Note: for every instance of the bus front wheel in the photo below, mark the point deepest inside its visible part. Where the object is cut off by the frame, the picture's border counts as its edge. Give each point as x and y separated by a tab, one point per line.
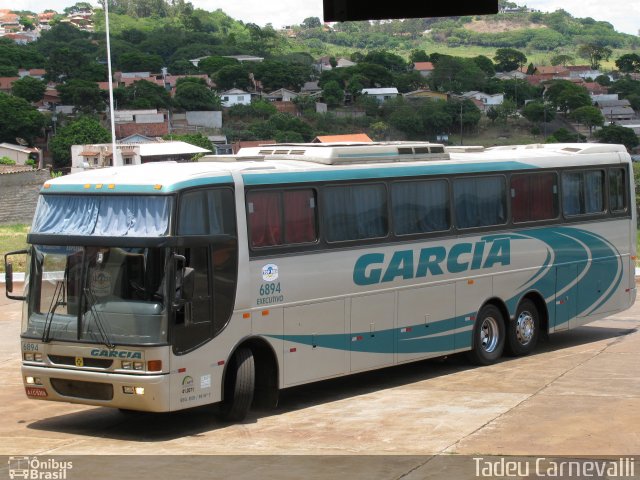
522	334
488	336
239	385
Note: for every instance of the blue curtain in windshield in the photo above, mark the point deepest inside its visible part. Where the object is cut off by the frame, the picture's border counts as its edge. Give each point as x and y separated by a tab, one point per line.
117	216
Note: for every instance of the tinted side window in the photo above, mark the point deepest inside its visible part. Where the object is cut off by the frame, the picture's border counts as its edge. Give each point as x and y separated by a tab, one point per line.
534	197
583	192
420	207
355	212
207	212
617	190
480	201
282	217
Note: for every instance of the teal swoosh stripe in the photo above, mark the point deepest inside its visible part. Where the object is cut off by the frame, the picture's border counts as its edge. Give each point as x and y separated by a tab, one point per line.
568	246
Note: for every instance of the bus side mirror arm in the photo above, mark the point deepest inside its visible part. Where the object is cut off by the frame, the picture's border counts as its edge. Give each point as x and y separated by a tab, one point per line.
184	287
8	275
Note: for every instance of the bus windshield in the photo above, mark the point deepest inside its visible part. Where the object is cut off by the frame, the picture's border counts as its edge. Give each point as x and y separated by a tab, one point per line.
105	295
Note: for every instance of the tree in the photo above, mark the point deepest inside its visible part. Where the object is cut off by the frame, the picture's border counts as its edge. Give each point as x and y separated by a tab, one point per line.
85	130
144	94
31	89
563	135
565	95
589	116
18	118
457	75
311	22
194	95
232	76
140	62
561	59
619	135
418	56
603	80
332	94
509	59
594	53
211	65
408	121
485	64
85	96
538	112
629	63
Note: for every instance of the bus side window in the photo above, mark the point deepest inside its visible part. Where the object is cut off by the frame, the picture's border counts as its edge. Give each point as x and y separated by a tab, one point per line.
355	212
480	201
420	207
534	196
282	217
583	192
617	190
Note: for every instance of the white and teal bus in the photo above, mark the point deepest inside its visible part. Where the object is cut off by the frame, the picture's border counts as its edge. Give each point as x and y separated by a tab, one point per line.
167	286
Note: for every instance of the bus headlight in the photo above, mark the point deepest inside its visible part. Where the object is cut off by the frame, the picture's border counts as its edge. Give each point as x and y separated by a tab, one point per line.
126	365
32	357
131	390
33	380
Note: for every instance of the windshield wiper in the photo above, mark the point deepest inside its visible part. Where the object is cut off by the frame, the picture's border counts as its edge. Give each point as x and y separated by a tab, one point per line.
58	292
91	300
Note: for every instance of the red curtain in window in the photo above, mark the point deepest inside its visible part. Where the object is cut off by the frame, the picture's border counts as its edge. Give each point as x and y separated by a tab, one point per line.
520	199
265	219
299	216
542	196
533	197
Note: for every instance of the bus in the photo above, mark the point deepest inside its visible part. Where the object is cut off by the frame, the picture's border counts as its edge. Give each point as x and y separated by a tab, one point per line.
168	286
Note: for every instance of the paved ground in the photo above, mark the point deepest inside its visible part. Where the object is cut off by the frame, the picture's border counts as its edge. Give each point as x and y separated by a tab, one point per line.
578	395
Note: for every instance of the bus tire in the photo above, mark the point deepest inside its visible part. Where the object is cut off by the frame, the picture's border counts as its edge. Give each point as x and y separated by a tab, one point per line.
239	386
523	331
488	336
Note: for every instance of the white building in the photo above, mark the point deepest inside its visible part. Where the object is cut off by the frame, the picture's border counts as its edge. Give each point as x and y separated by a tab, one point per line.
85	157
235	96
381	94
487	99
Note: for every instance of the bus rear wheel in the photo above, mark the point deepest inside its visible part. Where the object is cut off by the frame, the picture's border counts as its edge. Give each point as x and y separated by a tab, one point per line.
488	336
239	386
522	333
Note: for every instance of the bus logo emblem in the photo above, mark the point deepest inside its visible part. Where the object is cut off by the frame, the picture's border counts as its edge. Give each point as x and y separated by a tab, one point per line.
79	362
270	272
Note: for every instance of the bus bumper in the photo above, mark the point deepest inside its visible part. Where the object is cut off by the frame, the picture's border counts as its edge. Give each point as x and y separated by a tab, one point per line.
149	393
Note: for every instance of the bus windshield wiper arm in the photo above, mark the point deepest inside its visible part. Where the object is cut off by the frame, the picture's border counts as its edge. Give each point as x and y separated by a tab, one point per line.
55	303
91	299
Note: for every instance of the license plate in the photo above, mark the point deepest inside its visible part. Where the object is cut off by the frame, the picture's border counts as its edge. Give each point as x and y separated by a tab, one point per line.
36	392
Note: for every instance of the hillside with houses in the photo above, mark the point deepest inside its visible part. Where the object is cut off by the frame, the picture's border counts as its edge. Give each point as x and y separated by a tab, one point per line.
188	82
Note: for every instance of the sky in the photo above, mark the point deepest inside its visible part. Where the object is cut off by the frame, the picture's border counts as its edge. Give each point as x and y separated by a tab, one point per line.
624	15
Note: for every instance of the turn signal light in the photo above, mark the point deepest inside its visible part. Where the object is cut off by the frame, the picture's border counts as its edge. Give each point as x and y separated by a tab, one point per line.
154	365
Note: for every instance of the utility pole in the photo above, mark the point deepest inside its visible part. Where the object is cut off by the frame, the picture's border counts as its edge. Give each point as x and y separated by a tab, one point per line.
460	123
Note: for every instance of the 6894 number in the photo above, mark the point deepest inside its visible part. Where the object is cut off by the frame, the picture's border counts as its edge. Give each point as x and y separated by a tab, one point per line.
269	288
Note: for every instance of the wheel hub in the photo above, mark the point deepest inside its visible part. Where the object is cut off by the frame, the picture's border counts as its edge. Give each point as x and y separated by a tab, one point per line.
525	328
489	334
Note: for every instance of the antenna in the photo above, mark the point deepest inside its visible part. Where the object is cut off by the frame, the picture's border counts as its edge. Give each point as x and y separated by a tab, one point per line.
22	141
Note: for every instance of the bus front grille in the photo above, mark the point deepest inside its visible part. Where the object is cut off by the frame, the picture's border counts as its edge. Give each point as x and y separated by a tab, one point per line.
87	361
80	389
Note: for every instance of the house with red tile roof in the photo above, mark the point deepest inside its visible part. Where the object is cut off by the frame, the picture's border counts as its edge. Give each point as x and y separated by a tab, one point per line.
351	137
423	68
6	83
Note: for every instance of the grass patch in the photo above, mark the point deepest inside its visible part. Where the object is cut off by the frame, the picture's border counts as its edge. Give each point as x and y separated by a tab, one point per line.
13	237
